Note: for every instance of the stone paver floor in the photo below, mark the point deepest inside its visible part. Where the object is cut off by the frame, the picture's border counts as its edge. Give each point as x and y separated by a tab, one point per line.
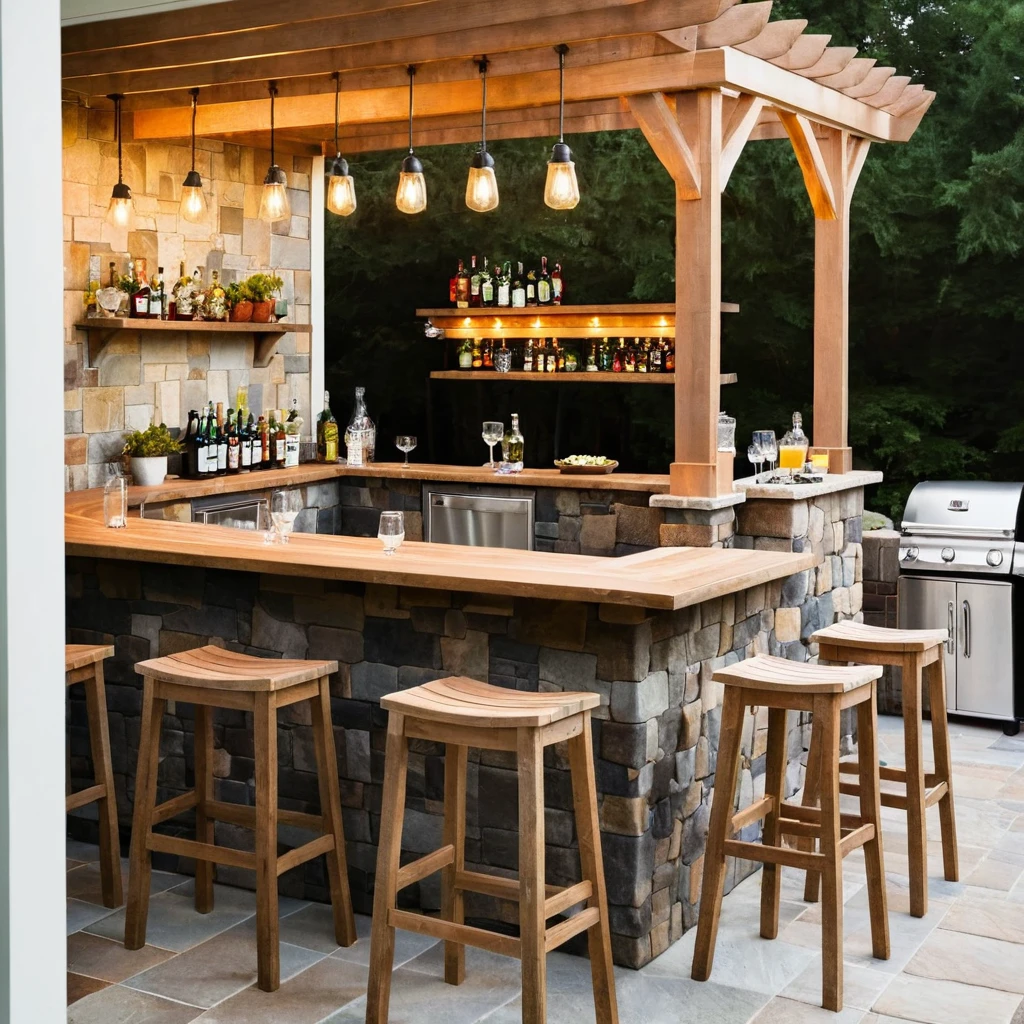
962	964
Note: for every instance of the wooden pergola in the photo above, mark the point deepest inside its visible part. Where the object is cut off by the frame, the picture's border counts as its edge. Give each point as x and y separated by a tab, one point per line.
700	78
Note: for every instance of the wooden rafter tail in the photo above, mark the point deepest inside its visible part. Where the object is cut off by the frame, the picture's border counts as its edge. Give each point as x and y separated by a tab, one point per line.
812	164
834	60
739	24
805	53
889	93
873	82
909	99
904	127
853	74
775	39
658	122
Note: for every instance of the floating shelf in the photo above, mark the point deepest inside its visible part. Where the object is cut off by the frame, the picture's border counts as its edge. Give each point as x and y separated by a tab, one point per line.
578	377
266	336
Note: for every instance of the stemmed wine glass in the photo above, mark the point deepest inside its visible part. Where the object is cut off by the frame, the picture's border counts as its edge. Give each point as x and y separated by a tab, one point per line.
405	443
756	458
282	514
765	440
493	432
391	531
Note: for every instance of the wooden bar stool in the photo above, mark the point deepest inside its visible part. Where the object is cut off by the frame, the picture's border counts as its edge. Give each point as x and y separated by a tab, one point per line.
212	677
83	663
918	652
781	685
464	713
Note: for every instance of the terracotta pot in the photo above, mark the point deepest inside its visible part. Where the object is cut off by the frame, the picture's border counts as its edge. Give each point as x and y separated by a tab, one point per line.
263	311
241	312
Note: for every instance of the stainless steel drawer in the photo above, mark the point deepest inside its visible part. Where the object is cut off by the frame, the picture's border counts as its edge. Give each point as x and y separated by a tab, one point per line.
479	520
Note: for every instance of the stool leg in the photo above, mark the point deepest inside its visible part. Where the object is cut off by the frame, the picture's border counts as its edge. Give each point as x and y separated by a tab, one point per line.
452	902
268	946
827	710
871	813
917	838
532	891
588	831
718	829
389	852
936	677
139	863
812	783
99	740
330	810
204	795
775	787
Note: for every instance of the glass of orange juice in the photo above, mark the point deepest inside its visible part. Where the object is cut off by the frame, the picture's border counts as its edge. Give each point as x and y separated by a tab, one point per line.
791	457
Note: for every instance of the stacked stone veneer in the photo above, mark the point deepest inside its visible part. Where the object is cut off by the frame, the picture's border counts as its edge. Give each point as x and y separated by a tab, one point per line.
881	579
142	377
655	735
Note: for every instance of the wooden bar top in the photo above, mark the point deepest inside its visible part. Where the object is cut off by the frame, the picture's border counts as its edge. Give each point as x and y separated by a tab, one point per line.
664	578
180	489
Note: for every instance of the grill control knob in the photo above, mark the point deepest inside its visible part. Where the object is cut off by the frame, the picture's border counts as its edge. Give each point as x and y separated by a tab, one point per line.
994	558
910	554
948	554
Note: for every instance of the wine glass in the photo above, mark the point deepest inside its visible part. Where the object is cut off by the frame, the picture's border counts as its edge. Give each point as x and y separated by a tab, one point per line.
405	443
492	435
765	440
282	514
755	457
391	531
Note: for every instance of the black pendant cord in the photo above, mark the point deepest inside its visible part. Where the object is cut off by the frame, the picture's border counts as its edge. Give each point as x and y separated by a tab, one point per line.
337	109
412	75
273	93
562	51
117	128
483	112
195	104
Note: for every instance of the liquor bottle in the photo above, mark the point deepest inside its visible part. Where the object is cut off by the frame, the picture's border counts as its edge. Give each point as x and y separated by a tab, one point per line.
222	442
113	275
156	296
519	289
607	357
619	359
544	293
292	429
234	444
211	442
592	357
487	291
631	356
528	357
453	288
187	470
513	445
556	358
657	353
327	431
361	435
245	443
462	287
643	355
531	287
488	354
256	441
557	285
474	285
266	455
140	290
669	360
504	285
280	442
477	355
172	306
197	449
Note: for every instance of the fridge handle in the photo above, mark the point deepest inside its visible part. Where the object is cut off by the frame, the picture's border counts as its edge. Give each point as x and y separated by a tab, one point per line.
951	628
967	629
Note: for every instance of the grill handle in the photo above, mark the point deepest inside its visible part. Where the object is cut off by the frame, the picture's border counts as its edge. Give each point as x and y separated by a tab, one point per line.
981	533
967	629
951	620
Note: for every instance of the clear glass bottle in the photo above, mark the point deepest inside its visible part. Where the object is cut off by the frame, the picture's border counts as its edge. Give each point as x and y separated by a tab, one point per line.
512	446
292	430
361	435
115	497
793	447
327	433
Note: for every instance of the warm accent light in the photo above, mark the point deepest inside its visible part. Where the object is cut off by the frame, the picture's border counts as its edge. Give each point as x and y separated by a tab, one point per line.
193	201
562	190
482	185
121	211
412	186
341	189
274	202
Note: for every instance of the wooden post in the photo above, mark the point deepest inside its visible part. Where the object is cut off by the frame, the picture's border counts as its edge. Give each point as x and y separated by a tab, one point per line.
698	301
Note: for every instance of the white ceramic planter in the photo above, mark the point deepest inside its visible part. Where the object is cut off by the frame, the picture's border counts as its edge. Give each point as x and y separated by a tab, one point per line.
149	472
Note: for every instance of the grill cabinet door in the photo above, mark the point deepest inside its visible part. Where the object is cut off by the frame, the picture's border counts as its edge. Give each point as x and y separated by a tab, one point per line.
930	603
984	679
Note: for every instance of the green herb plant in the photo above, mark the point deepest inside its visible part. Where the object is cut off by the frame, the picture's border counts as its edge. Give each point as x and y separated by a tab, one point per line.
150	443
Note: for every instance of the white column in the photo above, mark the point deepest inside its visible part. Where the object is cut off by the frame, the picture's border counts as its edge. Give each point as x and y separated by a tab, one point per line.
316	290
32	828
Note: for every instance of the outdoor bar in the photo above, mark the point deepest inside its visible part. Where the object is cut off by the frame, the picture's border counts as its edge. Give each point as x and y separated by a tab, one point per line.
648	632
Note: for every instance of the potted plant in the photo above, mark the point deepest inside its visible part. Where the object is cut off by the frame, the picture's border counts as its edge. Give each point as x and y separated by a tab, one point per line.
147	451
240	302
465	355
261	288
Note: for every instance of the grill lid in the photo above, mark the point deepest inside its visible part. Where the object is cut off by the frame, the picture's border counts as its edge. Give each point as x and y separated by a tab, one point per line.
966	508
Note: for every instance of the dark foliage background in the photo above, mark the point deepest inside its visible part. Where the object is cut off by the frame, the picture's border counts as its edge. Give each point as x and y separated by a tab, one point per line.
937	286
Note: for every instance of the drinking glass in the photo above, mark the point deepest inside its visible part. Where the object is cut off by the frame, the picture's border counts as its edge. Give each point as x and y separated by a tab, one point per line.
755	457
391	531
765	439
282	514
115	497
405	443
493	433
503	360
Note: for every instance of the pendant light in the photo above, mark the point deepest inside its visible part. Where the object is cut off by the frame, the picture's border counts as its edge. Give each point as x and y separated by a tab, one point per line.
193	200
412	186
121	210
482	186
274	202
341	189
562	191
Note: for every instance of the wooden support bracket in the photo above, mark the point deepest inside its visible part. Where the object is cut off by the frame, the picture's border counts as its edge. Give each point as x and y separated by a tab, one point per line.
812	164
658	122
743	120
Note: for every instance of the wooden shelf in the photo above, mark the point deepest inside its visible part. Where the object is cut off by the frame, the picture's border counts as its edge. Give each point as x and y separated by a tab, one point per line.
579	377
625	309
266	336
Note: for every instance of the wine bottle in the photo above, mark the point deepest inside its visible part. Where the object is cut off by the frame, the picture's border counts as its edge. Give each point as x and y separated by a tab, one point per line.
156	296
186	453
462	287
292	429
557	285
513	445
487	296
197	449
257	443
669	360
528	357
504	284
544	293
361	435
222	442
266	455
234	444
531	287
519	289
140	290
474	285
327	429
453	288
244	443
619	359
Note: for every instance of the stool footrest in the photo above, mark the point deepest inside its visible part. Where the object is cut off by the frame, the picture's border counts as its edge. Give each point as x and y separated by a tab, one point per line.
566	898
424	866
201	851
562	932
755	812
495	885
84	796
300	854
494	942
783	855
856	838
172	808
245	816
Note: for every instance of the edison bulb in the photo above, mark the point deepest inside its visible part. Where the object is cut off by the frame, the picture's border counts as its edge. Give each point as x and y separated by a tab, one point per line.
121	210
341	194
412	186
193	204
482	185
562	191
274	202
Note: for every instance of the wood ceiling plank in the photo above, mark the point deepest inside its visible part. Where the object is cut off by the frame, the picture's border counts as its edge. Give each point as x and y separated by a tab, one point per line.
853	74
661	129
737	25
831	62
806	52
872	83
776	39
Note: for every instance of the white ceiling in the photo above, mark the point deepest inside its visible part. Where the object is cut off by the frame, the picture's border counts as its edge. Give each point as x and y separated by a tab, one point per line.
74	11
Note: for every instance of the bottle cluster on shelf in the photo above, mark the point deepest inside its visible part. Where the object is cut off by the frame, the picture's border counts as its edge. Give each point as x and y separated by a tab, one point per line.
498	286
551	355
360	435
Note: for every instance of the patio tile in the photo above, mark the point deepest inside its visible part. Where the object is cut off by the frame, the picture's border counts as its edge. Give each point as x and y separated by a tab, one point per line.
229	897
946	1002
108	960
906	936
117	1005
83	883
81	915
999	870
408	945
787	1011
861	985
979	912
218	968
85	853
79	986
971	959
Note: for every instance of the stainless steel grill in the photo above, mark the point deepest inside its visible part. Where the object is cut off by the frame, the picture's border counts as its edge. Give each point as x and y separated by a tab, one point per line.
962	569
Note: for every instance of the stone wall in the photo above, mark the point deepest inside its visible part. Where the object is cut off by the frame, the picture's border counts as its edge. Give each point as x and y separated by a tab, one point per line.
655	734
143	377
881	577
